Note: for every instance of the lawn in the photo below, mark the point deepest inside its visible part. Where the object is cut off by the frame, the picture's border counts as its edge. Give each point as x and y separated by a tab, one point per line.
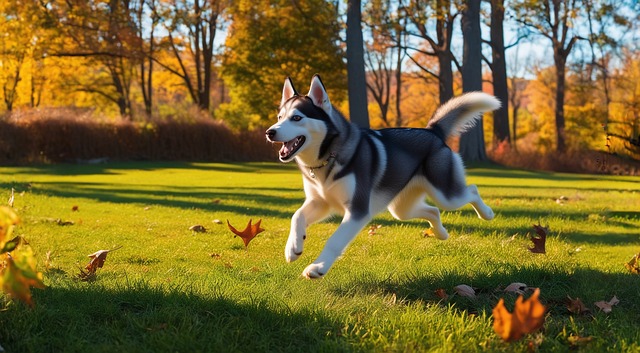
169	289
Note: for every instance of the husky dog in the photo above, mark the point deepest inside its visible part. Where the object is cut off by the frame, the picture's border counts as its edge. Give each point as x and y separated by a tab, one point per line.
359	172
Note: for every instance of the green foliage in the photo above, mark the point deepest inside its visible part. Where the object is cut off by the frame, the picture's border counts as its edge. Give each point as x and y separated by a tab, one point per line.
269	40
170	289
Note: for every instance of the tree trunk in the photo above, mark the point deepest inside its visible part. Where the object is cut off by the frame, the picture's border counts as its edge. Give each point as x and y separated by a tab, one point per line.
560	61
499	73
445	76
357	86
472	147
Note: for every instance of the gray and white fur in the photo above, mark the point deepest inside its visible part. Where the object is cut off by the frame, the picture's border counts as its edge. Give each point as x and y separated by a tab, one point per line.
359	172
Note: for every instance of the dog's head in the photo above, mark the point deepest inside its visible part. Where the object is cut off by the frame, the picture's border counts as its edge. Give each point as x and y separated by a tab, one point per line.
304	122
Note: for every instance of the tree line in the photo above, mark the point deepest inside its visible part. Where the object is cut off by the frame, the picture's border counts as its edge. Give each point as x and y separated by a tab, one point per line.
390	63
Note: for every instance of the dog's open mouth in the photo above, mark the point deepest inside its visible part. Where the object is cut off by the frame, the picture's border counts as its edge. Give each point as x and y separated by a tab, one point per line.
289	148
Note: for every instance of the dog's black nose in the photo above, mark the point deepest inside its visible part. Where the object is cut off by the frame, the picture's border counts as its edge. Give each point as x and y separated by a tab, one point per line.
271	133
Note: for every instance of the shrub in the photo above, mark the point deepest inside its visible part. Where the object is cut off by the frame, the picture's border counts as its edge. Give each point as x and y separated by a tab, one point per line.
52	137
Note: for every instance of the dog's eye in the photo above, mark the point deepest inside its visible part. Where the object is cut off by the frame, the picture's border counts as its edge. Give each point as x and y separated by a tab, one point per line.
296	118
279	117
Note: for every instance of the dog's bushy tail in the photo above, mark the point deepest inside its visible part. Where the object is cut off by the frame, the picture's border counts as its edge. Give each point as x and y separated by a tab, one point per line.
461	113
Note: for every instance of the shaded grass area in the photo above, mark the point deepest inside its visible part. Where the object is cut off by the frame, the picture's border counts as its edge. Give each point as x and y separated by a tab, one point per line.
169	289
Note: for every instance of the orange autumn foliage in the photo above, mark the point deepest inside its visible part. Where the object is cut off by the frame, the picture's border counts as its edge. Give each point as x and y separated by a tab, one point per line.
527	317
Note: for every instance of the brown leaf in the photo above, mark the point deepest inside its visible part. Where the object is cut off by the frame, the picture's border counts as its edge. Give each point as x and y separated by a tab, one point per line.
373	228
198	228
634	264
441	293
97	260
607	307
576	306
248	233
75	208
539	240
527	317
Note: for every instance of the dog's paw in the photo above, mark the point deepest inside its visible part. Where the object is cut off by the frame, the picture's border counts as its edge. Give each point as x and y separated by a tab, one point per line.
486	213
291	253
314	271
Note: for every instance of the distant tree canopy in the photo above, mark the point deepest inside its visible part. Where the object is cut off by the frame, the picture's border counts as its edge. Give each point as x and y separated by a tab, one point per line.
269	40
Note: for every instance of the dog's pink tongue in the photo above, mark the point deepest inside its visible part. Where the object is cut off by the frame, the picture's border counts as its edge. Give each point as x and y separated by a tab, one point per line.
286	149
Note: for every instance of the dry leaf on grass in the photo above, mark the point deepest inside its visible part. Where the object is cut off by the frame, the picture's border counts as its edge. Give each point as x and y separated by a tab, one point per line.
527	317
576	306
248	233
441	293
606	307
634	264
373	228
516	287
464	290
198	228
540	240
97	261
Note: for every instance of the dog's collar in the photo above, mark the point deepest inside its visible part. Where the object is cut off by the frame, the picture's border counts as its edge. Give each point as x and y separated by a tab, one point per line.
312	170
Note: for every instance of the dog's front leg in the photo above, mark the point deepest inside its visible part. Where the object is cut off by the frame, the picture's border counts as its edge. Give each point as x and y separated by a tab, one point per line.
336	245
310	212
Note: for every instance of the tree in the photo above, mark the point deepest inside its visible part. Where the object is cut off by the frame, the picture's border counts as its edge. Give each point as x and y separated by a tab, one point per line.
498	67
384	58
439	46
103	32
269	40
358	111
191	27
472	147
557	21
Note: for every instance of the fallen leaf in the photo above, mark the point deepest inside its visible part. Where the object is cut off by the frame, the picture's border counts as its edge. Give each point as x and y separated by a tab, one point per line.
576	306
97	261
607	307
63	223
75	208
198	228
19	274
516	287
217	221
464	290
634	264
428	233
527	317
215	255
539	240
441	293
248	233
373	228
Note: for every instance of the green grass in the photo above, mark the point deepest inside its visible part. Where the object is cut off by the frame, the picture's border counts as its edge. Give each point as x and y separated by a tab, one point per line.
169	289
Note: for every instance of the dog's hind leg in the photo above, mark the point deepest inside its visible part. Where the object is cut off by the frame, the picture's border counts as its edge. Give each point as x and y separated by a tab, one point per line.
485	212
336	245
310	212
410	204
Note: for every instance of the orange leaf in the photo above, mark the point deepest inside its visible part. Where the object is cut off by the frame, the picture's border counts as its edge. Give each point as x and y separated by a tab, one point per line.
527	317
634	264
539	241
248	233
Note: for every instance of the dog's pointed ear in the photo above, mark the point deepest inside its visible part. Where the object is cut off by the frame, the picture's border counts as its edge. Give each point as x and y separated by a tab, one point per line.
288	90
319	95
